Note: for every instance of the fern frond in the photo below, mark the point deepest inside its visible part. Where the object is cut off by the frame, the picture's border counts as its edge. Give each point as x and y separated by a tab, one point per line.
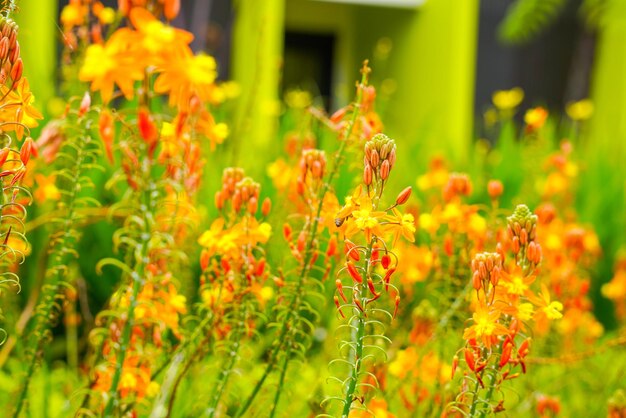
527	18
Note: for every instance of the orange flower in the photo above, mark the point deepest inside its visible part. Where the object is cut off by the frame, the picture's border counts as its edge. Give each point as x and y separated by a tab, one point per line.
547	308
186	77
115	62
158	40
486	326
18	107
400	224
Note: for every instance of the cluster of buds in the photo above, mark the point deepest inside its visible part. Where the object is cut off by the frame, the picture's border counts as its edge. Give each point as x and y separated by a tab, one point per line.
312	165
617	404
458	185
486	270
522	230
241	191
380	157
10	61
169	8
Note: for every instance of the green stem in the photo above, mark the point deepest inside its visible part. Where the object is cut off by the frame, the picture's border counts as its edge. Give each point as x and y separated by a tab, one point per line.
358	334
125	342
306	266
47	309
137	277
279	390
474	399
233	353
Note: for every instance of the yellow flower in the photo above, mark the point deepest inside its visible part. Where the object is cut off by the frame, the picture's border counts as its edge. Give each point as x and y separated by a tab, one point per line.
616	288
185	77
364	219
547	308
508	99
73	15
46	188
157	38
367	221
428	223
210	239
477	224
401	224
525	311
536	117
580	110
113	63
153	389
298	99
485	326
17	106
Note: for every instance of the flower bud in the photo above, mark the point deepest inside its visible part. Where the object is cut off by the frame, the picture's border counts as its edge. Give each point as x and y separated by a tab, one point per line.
385	260
84	104
4	153
392	157
367	175
253	205
354	272
4	48
384	170
219	200
495	189
16	71
351	250
171	8
403	196
28	149
374	159
266	206
14	53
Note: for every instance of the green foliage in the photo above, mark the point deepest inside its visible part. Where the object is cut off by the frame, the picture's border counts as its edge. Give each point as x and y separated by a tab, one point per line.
526	18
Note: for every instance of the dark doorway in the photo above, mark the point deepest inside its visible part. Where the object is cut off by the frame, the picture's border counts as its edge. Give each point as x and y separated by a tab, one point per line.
308	64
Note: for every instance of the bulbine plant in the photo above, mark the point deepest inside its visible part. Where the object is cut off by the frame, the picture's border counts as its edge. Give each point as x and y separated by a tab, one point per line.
162	282
361	298
510	299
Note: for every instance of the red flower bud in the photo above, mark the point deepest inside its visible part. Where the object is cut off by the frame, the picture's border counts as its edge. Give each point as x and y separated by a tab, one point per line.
469	359
385	261
340	290
332	246
370	285
495	188
171	9
28	149
4	154
336	300
16	71
266	206
351	250
287	232
403	196
354	272
506	354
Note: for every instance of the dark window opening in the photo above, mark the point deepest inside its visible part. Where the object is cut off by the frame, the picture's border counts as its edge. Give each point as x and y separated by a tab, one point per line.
308	64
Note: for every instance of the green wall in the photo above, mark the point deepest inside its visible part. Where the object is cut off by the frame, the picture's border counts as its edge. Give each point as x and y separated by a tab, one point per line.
431	63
